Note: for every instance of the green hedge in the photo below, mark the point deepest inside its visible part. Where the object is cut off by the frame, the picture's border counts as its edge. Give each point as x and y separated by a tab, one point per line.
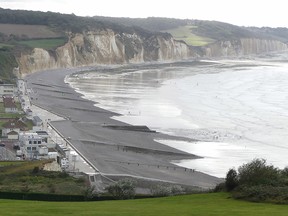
56	197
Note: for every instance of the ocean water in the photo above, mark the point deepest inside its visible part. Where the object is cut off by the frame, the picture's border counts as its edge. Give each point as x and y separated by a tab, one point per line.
237	109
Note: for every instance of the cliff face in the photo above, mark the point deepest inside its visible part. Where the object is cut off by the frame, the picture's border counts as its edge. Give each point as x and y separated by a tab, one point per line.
108	47
244	46
105	47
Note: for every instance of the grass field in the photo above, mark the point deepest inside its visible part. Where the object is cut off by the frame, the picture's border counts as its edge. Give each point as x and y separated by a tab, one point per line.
31	31
5	45
9	163
44	43
185	33
198	205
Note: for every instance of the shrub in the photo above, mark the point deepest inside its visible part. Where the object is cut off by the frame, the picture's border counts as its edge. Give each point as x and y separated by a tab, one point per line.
221	187
177	190
256	181
258	173
161	191
123	189
36	170
262	193
164	190
90	193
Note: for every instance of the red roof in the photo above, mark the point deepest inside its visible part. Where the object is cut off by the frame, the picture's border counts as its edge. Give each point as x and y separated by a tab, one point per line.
12	133
9	102
15	124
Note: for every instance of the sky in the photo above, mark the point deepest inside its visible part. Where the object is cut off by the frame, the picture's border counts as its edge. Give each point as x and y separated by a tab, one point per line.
257	13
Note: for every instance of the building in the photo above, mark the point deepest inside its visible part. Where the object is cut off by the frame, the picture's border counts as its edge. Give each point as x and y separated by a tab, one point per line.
7	90
29	113
37	121
9	104
32	146
13	135
15	125
45	137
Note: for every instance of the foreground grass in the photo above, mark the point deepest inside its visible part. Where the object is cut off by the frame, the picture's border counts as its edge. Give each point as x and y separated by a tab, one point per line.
200	204
185	33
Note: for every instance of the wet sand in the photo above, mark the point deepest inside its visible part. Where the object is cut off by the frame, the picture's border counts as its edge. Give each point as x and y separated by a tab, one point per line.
114	148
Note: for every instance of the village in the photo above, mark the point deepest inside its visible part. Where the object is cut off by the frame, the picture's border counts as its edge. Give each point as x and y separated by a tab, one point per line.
26	132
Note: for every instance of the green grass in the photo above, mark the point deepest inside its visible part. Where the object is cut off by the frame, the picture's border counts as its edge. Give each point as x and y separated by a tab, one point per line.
10	115
44	43
22	177
2	45
2	109
198	205
22	167
10	163
185	33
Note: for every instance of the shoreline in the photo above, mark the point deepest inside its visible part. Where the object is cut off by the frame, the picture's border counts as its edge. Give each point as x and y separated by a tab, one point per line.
112	151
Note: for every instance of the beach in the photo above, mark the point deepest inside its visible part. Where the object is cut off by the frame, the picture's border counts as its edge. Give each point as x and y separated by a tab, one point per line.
113	147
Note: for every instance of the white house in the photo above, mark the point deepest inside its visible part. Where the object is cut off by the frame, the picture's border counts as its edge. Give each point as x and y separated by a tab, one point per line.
33	146
13	135
7	90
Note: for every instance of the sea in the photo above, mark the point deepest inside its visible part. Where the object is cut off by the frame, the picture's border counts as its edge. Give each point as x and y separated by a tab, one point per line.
236	109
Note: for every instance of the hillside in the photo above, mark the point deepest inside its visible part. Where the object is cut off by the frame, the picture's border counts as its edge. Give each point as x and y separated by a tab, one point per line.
29	176
210	31
36	41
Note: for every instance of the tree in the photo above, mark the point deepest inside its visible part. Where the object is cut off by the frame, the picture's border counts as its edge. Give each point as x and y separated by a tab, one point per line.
231	180
258	172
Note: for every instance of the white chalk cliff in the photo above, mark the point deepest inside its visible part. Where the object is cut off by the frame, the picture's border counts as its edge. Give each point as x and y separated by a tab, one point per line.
108	47
105	47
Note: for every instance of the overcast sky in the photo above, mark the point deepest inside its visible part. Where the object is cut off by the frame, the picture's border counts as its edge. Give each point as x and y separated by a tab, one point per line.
258	13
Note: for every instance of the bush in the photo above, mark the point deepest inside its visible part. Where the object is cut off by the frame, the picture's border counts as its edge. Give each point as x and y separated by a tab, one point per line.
256	181
262	193
123	189
36	170
258	173
90	193
164	190
221	187
161	191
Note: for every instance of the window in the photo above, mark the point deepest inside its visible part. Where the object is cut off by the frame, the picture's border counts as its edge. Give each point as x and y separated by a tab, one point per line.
34	148
39	142
34	142
28	148
30	142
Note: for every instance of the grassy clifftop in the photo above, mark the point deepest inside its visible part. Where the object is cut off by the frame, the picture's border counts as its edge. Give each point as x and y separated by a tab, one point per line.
201	32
